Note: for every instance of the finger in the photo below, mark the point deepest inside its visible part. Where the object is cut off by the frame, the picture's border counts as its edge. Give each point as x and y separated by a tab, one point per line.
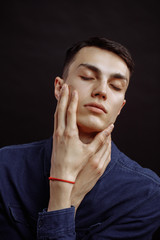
102	158
62	108
71	112
106	156
103	150
100	138
56	113
55	120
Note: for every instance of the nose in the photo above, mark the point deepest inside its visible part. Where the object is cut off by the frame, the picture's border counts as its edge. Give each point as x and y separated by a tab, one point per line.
100	91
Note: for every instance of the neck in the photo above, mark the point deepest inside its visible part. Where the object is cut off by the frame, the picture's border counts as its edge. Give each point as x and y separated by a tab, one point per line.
86	137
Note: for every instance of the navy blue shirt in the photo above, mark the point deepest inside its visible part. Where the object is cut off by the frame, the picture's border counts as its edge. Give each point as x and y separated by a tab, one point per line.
124	203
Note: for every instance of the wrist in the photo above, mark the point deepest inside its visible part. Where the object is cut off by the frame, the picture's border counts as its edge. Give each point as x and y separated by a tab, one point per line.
75	203
61	180
60	195
63	174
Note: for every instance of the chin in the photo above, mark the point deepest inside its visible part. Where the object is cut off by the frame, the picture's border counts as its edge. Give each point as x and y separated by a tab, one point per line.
89	127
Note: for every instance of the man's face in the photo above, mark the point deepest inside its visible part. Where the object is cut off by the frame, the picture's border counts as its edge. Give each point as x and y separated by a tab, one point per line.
101	79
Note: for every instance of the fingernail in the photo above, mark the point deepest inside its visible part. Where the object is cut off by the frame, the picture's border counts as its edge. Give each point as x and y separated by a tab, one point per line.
109	129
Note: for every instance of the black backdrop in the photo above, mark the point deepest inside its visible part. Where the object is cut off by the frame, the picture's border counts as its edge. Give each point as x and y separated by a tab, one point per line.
34	37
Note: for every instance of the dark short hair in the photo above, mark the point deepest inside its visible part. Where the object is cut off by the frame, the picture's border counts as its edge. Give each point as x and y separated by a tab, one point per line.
102	43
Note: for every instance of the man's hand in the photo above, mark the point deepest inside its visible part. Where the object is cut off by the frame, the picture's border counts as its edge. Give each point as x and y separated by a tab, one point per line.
90	173
69	154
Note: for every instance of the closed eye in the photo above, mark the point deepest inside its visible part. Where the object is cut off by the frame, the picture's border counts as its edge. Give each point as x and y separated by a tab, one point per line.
86	78
116	88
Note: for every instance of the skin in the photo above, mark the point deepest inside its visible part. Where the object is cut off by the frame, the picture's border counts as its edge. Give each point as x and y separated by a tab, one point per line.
83	131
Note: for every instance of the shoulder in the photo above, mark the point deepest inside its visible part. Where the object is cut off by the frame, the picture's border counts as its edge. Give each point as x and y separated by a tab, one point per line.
133	169
133	189
16	153
24	146
140	185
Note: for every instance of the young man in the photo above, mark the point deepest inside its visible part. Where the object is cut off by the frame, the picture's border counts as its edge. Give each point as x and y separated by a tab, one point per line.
81	185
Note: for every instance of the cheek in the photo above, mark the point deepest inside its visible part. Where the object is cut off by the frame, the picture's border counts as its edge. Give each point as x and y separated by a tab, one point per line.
117	108
83	92
73	86
116	105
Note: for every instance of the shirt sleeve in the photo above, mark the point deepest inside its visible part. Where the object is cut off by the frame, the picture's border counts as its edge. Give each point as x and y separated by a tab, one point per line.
56	225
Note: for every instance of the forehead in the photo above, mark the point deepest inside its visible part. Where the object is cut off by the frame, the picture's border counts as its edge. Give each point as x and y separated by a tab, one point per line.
108	62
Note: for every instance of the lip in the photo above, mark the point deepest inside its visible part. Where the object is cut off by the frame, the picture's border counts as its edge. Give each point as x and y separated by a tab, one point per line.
96	105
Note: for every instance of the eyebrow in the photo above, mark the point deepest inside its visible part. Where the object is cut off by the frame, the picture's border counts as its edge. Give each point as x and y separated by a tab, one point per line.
99	72
91	67
119	76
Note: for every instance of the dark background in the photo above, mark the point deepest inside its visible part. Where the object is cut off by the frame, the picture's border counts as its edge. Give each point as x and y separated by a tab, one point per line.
34	37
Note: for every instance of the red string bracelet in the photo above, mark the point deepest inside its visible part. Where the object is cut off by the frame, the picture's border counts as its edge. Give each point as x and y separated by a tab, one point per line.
61	180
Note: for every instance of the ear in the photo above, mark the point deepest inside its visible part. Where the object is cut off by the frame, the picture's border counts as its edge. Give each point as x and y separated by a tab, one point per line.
124	102
58	83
